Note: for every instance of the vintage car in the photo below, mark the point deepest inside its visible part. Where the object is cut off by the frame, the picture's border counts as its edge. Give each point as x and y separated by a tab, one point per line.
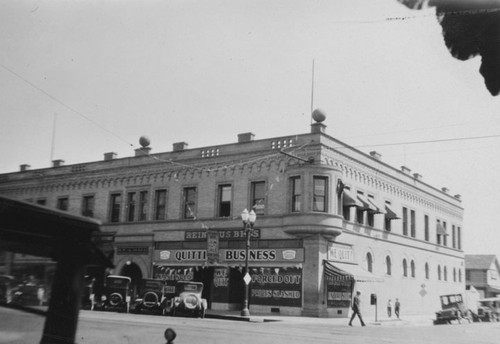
188	300
452	308
488	309
150	297
117	294
8	288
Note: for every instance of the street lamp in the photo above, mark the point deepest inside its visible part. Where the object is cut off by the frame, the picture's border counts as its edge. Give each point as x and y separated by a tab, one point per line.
248	219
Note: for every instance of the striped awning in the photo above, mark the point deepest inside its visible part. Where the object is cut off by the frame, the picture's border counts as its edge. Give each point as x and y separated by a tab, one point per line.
348	272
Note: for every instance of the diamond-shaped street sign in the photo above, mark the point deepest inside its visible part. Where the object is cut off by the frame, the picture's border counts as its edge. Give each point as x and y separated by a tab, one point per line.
247	278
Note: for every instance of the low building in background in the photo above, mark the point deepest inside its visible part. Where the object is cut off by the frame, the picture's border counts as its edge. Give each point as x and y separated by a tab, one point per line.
482	272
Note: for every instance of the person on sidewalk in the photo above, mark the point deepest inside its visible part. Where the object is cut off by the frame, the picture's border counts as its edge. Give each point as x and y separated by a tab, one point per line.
356	309
397	307
389	308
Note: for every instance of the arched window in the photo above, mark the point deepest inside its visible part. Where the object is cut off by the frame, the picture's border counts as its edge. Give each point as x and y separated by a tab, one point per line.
426	270
445	274
405	268
412	268
369	262
388	265
439	272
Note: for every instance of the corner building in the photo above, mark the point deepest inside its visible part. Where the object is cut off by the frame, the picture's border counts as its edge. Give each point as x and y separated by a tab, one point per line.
330	220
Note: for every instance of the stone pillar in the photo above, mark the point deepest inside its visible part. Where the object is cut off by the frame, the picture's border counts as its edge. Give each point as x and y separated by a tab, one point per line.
315	248
67	287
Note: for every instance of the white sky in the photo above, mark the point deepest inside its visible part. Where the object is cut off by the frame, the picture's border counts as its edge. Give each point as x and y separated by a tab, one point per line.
204	71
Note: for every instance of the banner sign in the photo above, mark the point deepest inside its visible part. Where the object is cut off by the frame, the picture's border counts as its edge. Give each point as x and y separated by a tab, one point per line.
212	247
276	287
339	293
171	275
292	255
230	234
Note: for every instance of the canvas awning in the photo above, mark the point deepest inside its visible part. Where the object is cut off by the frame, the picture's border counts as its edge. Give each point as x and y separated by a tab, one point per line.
440	230
390	213
346	271
349	200
367	205
379	208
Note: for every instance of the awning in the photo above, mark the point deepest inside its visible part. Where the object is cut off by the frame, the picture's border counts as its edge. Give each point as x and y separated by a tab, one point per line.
440	230
390	213
366	204
344	271
380	209
350	200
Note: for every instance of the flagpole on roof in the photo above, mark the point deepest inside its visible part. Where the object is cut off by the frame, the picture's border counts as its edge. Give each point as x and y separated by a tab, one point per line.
312	91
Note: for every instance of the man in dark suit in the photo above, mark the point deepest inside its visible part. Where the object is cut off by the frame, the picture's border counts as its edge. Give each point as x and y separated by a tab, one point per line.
356	309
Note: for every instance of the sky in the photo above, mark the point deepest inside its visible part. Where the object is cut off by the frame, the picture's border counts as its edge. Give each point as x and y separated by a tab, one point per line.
82	78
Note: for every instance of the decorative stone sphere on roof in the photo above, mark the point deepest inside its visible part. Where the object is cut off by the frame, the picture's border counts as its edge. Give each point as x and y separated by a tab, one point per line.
144	141
319	115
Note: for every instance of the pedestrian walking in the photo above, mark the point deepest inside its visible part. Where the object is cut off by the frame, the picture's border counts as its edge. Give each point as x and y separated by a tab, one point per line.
389	308
397	307
356	309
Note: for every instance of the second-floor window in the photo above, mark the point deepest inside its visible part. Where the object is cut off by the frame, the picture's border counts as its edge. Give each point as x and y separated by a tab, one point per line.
405	221
426	227
258	194
225	194
63	203
88	206
143	206
131	200
189	199
296	194
115	205
320	196
160	205
413	225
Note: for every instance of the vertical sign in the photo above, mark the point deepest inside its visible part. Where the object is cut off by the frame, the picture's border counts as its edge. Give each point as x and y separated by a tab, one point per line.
212	247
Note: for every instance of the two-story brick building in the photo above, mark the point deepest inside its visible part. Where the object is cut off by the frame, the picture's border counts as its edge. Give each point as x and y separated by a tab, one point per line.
330	219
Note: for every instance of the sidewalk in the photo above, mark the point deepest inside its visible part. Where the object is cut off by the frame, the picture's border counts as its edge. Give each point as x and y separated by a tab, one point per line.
416	320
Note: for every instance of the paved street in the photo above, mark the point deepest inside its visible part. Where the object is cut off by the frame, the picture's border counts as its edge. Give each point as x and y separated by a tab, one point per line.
111	328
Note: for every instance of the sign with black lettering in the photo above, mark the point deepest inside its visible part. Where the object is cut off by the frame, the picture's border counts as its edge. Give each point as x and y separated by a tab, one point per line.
276	286
230	234
221	285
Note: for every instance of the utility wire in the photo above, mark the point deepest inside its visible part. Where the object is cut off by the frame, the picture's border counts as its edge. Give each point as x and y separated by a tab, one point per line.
64	104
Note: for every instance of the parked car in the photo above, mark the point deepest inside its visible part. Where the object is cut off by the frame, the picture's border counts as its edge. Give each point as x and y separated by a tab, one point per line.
151	297
117	294
489	309
188	300
8	288
452	308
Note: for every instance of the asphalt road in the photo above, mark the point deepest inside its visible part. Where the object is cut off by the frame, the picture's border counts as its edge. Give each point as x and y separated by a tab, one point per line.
111	328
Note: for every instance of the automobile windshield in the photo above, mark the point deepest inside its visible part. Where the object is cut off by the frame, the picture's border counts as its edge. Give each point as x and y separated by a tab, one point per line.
189	287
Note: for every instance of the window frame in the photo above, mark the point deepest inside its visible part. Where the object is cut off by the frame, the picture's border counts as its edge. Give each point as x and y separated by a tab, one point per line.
115	207
224	207
321	197
63	203
259	209
88	208
296	198
189	207
160	208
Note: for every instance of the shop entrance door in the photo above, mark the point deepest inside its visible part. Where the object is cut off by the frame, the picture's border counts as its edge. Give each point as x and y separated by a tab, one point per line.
206	276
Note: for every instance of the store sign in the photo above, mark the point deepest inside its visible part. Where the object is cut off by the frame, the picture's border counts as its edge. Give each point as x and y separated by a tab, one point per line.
340	253
212	247
277	286
230	234
339	293
295	255
132	250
